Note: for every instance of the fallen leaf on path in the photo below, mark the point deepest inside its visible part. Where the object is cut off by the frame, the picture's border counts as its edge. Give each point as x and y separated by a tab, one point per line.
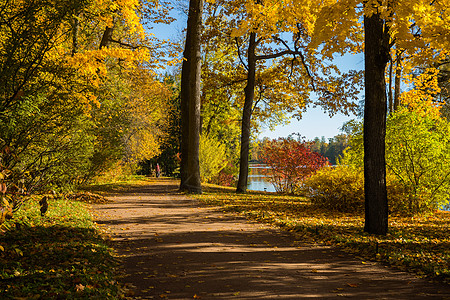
79	287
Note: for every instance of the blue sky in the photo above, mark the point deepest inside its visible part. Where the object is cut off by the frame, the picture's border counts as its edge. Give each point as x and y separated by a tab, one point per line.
314	123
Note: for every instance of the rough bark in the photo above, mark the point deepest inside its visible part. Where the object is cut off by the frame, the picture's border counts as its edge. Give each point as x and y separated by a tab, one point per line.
376	57
190	102
247	114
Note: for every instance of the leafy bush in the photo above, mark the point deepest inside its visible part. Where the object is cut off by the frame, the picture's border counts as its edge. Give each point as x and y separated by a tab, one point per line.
290	161
225	178
212	158
341	188
338	188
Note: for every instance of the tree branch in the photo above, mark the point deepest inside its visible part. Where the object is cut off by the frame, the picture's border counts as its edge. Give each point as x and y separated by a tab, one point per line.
239	53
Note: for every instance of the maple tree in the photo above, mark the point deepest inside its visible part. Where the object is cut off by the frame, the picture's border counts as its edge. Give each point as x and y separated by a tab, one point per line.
274	66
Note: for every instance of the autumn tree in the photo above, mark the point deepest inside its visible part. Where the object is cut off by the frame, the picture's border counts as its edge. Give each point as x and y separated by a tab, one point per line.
276	69
376	56
190	101
60	80
417	30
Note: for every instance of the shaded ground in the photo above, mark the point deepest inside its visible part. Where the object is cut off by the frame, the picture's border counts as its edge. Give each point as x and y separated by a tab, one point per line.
174	248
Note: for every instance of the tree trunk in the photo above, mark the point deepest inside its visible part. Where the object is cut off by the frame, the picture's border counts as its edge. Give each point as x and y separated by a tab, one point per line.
190	101
106	38
75	28
398	76
247	114
390	94
376	57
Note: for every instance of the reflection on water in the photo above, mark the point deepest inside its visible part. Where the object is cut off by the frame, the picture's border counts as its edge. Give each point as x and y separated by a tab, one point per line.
257	181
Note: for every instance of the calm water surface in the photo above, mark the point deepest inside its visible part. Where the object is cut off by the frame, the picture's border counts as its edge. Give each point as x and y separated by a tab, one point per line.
257	181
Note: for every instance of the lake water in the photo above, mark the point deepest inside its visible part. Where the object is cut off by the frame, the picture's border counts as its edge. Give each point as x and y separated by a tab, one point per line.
257	181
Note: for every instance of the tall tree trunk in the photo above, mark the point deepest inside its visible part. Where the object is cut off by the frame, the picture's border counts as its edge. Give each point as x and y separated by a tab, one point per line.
398	76
376	57
247	114
190	101
390	94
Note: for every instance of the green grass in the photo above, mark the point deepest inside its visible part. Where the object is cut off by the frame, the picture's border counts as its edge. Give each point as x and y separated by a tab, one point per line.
59	256
420	244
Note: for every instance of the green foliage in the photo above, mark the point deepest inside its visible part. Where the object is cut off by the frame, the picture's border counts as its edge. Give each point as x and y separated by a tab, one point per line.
333	149
418	153
170	147
49	140
212	158
417	159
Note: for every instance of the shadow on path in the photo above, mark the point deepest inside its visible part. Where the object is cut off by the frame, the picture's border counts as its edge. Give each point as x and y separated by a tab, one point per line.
173	248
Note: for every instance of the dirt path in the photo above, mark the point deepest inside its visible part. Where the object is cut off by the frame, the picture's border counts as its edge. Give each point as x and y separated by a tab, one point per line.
174	248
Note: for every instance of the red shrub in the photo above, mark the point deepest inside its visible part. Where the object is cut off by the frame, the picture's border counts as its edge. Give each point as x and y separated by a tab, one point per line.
289	162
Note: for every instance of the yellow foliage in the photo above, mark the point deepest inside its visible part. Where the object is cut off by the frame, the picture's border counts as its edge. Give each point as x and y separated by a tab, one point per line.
420	99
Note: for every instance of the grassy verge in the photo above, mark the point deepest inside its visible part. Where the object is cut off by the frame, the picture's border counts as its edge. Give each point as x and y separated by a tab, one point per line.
121	186
419	244
58	256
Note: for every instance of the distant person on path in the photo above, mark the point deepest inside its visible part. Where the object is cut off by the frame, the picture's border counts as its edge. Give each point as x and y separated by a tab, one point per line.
158	170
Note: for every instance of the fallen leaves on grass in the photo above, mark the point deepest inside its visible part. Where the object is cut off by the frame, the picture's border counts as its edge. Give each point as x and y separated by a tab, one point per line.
420	243
88	197
59	255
